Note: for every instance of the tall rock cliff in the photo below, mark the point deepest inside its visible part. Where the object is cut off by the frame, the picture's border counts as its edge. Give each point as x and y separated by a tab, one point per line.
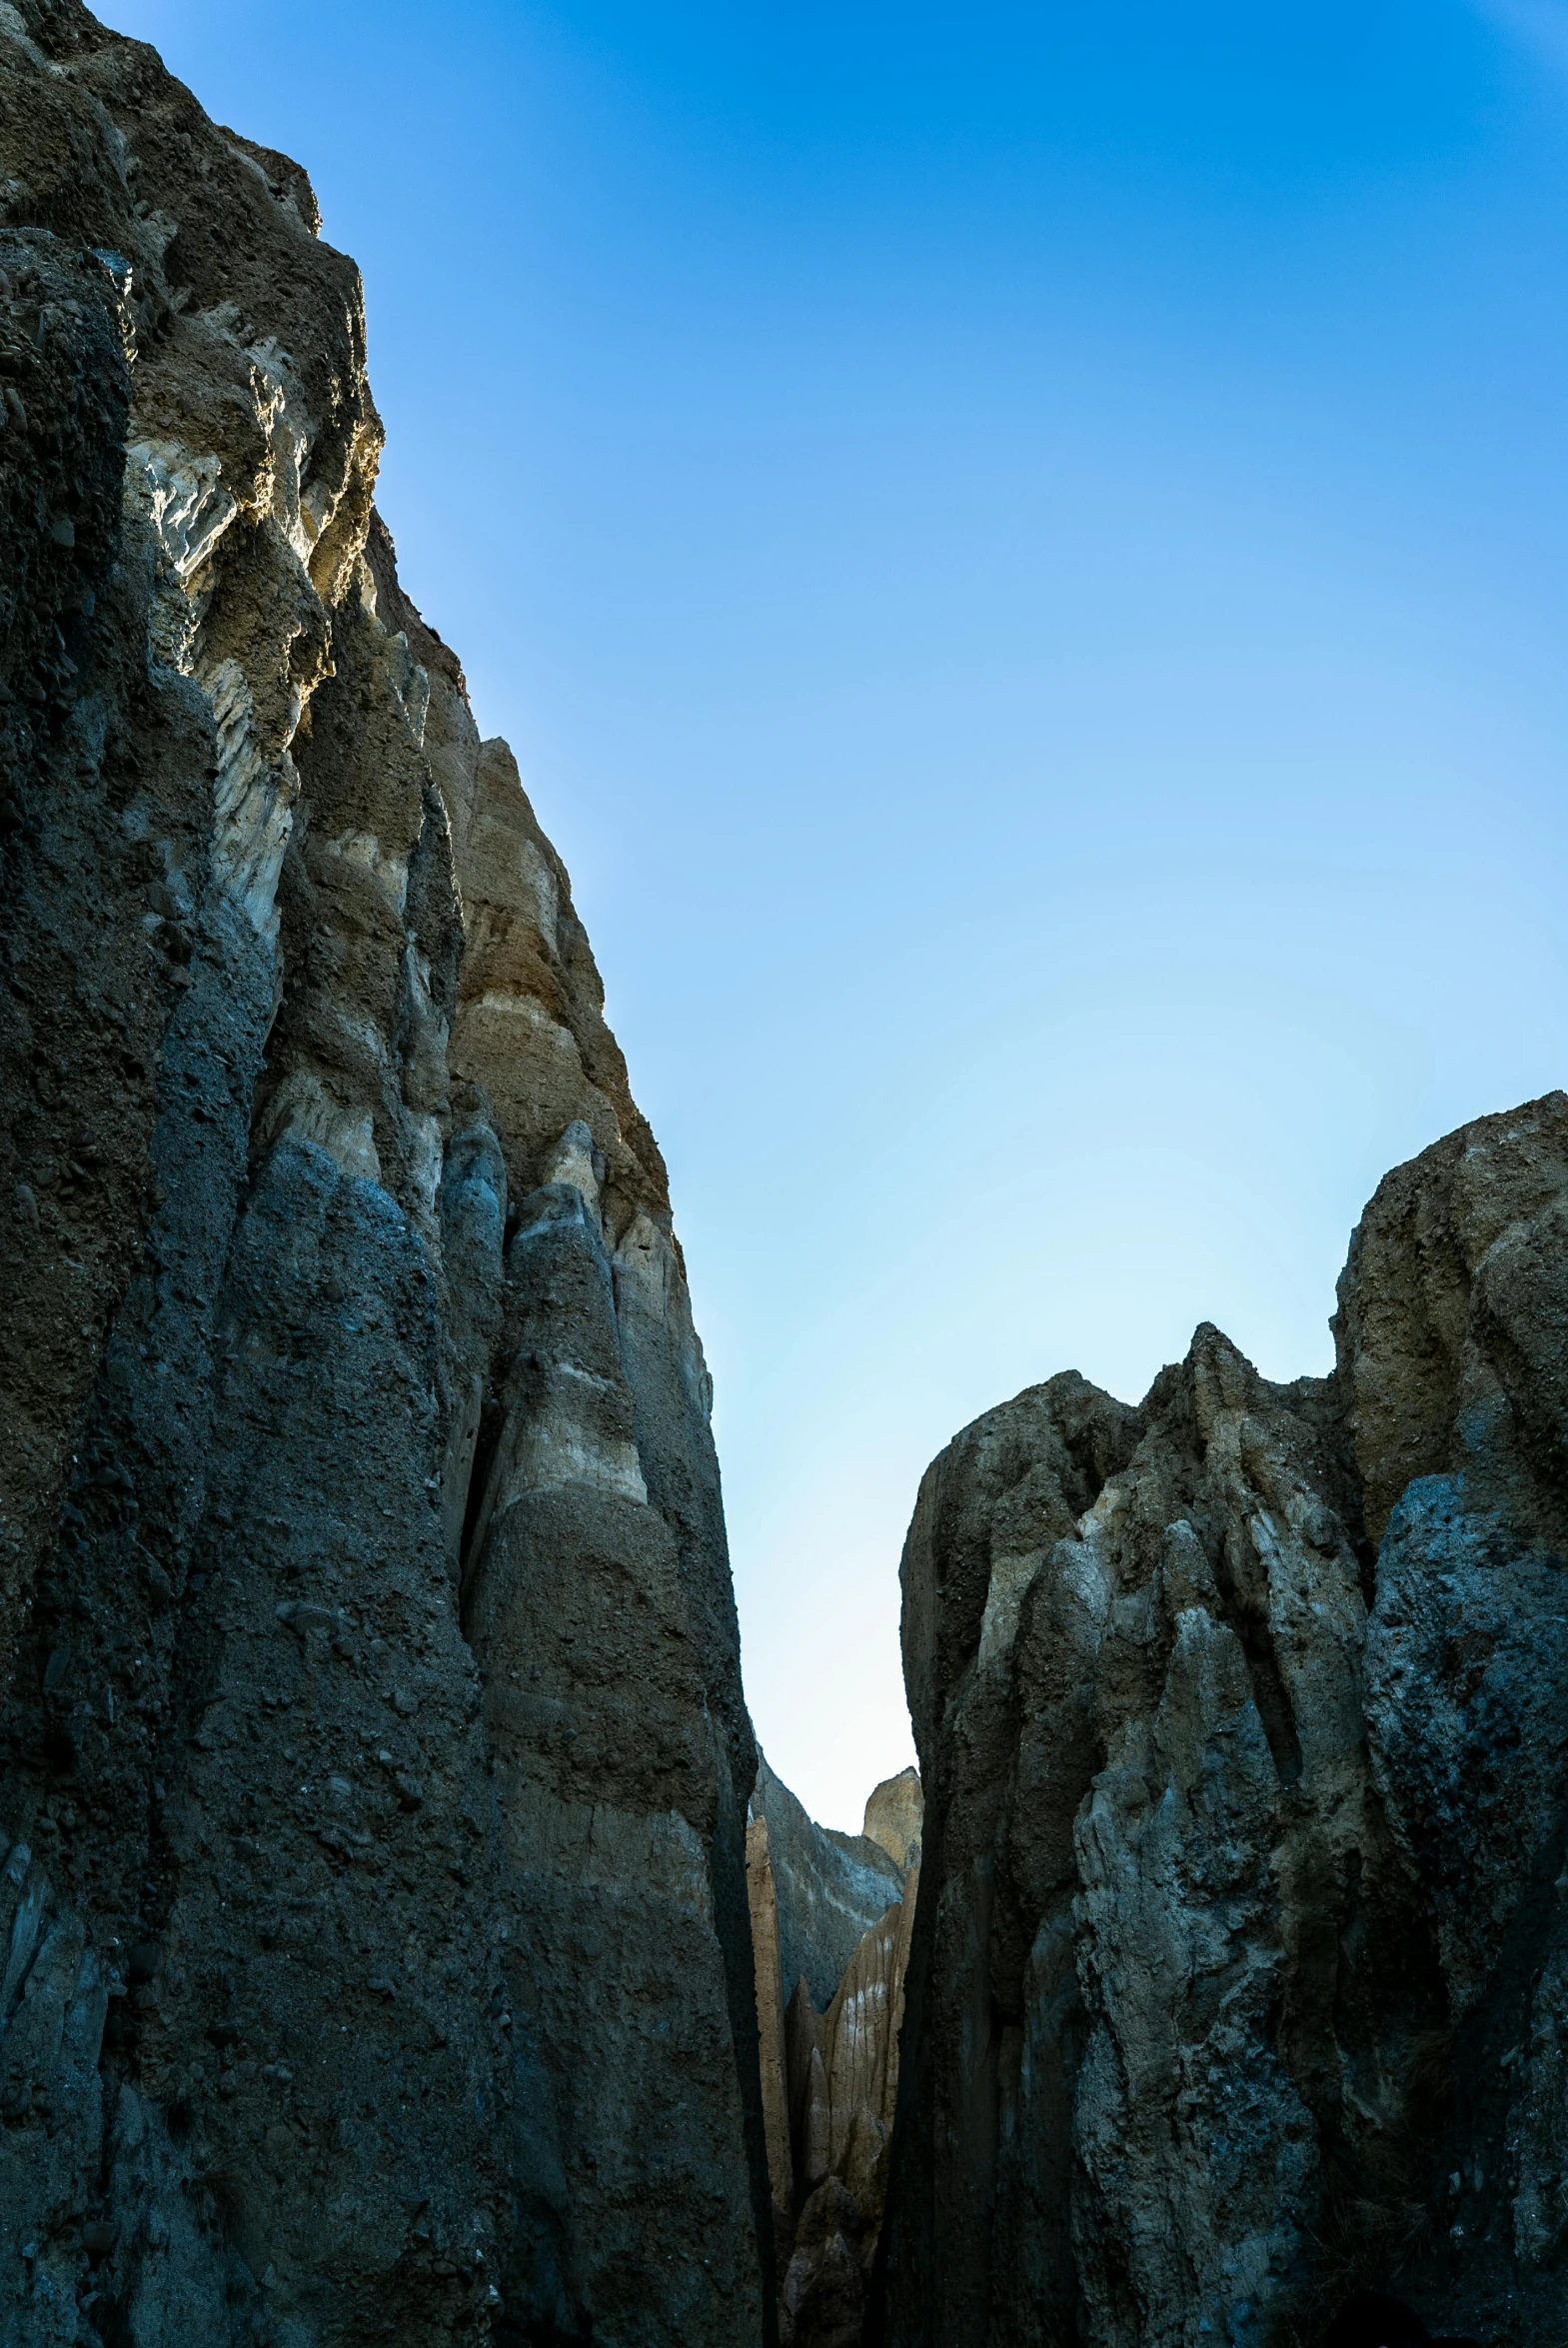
373	1908
382	1840
1241	1967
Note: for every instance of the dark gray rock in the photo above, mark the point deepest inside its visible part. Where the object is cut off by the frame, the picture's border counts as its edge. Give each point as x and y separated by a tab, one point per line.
1238	1966
374	1931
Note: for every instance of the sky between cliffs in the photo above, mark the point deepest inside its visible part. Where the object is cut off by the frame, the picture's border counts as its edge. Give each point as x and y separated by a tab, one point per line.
1021	551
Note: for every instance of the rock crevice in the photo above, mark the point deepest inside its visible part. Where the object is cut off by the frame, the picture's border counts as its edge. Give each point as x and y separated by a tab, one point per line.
836	1911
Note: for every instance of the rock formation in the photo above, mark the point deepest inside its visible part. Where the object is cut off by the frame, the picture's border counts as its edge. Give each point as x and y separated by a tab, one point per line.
831	1888
1239	1970
373	1912
836	1911
893	1816
391	1908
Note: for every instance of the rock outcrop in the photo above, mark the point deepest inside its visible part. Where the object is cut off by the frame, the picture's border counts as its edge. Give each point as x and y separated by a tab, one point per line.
1239	1966
372	1910
831	1888
830	2070
894	1812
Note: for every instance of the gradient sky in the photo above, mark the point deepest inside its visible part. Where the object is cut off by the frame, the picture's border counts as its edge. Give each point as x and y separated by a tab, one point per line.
1021	551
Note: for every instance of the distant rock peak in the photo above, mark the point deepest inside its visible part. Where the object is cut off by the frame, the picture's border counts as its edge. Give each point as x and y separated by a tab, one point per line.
821	1900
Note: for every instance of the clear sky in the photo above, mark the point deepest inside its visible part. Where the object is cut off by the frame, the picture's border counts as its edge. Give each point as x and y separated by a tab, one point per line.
1023	553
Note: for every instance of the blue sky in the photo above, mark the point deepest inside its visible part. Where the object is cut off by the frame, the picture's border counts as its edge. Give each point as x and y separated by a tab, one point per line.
1022	552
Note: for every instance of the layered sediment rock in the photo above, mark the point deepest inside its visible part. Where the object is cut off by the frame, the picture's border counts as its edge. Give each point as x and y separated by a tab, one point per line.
1238	1968
830	2069
372	1920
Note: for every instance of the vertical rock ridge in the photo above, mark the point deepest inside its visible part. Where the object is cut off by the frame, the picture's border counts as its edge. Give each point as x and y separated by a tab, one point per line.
1242	1727
376	1760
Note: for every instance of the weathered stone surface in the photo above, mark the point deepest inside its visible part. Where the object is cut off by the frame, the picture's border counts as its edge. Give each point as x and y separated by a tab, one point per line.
842	2069
373	1912
815	1896
773	2051
829	2074
894	1813
378	1890
831	1888
1244	1726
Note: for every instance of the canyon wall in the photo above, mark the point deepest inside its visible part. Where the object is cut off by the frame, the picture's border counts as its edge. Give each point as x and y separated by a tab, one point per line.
1239	1974
373	1907
399	1939
831	1914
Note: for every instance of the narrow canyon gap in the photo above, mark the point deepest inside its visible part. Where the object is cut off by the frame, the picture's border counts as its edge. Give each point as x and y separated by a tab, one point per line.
401	1938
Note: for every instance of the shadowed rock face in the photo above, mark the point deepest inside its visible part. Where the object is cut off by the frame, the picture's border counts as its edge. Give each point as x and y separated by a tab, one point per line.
375	1961
372	1920
831	1888
1238	1970
830	2070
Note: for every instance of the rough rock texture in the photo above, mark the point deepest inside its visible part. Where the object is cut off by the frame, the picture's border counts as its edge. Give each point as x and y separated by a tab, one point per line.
843	2082
830	2073
894	1814
831	1888
373	1912
1238	1972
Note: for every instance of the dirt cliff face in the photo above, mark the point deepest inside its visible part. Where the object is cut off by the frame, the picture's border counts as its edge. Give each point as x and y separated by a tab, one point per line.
1239	1964
373	1914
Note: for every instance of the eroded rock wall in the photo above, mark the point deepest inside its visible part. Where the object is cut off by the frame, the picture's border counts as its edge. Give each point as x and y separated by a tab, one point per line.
832	1887
830	2070
1238	1964
373	1914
